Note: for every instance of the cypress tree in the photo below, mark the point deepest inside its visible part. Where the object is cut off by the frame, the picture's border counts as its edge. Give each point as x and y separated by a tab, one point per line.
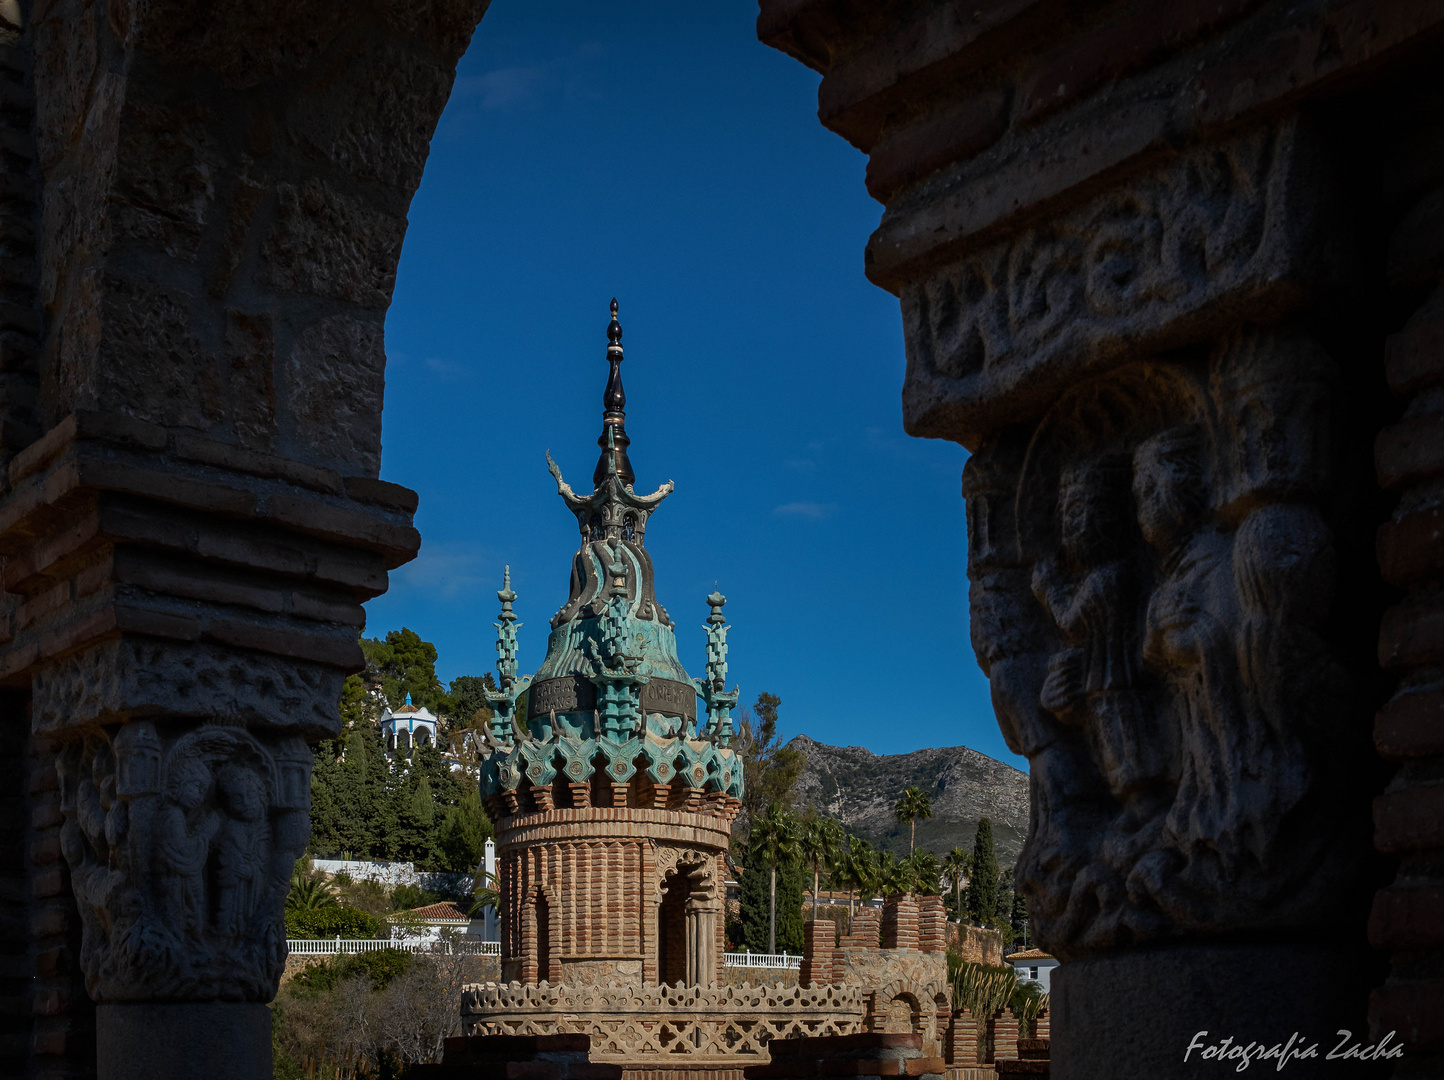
791	885
983	888
1019	918
753	900
792	880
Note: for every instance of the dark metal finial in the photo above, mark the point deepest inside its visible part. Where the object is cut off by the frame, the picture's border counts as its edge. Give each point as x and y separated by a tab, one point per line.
613	440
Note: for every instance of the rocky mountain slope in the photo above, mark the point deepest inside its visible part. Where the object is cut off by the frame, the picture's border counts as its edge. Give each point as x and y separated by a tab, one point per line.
860	788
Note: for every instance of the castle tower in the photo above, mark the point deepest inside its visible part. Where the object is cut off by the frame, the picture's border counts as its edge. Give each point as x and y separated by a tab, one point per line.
613	794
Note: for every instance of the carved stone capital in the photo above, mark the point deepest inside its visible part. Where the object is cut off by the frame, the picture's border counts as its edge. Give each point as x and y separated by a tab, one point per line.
181	845
1153	611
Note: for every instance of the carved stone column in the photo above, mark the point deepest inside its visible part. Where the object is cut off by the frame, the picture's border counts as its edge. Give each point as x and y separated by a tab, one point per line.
190	511
1141	280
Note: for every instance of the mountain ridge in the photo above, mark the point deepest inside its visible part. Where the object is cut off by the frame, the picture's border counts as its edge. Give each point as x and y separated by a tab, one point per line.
860	788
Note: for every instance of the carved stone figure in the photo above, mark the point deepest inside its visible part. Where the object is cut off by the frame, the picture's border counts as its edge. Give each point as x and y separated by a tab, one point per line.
180	851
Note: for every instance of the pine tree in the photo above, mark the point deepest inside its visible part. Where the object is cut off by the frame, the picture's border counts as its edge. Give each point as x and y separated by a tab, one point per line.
983	887
405	664
461	841
1019	918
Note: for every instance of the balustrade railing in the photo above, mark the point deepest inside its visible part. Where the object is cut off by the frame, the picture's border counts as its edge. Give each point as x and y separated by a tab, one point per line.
333	946
762	960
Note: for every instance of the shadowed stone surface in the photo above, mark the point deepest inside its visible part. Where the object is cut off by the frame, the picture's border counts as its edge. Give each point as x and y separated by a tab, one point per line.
1155	262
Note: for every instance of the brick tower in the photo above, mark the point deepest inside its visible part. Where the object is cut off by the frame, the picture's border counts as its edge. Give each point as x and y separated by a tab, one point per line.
613	799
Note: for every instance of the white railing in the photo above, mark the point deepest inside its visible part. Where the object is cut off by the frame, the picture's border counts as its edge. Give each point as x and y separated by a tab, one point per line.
761	960
332	946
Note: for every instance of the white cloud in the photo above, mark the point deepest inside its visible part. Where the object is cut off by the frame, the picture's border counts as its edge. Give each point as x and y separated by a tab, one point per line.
802	465
810	510
446	571
503	88
449	370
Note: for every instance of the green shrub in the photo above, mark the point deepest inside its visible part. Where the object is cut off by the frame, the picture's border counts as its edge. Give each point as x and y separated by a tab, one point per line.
405	897
330	922
381	967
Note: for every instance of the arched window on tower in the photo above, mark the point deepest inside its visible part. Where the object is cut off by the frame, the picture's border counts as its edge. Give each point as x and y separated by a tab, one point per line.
672	930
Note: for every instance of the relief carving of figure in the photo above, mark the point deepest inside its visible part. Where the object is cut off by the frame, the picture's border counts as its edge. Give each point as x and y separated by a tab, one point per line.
243	848
1091	593
180	851
184	831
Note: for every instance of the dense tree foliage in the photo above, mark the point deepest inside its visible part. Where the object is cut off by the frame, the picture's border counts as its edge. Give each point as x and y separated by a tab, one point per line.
466	704
338	920
418	810
769	769
404	664
756	881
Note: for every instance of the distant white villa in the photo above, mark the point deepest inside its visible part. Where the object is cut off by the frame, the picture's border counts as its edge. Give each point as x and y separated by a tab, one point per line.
410	725
1033	965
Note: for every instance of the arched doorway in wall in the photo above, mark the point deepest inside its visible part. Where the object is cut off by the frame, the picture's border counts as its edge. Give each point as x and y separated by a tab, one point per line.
672	930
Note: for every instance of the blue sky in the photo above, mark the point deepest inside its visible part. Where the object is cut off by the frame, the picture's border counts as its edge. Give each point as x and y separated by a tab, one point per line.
659	153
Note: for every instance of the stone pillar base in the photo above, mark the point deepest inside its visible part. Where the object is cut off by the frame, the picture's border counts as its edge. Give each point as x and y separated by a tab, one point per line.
216	1040
1134	1014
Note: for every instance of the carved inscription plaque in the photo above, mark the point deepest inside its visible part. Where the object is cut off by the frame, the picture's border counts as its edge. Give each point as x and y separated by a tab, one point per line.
571	693
670	697
575	693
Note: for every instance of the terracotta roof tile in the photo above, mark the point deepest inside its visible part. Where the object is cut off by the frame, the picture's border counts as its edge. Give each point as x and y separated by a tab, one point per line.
1030	954
444	910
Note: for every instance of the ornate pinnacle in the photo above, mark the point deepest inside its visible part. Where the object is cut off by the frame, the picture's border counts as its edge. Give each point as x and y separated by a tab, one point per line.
719	700
613	440
716	642
506	640
616	624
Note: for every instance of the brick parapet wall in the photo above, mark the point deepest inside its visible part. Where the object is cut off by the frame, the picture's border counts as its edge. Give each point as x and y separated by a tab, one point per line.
899	923
866	929
932	924
819	951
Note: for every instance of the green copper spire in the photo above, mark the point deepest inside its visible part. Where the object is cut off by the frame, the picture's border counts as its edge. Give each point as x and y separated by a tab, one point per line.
611	690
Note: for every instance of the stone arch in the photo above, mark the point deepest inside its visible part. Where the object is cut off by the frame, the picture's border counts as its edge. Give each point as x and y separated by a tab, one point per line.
910	1002
686	901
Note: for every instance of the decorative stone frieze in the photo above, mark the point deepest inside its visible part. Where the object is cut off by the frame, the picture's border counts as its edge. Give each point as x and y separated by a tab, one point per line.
640	1025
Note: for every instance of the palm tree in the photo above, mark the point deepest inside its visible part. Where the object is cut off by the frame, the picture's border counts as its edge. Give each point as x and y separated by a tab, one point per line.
851	868
309	894
923	865
485	893
817	841
915	803
957	864
776	832
895	877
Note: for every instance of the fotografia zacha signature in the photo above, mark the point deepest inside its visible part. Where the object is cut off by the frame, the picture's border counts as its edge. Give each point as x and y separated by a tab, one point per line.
1241	1055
